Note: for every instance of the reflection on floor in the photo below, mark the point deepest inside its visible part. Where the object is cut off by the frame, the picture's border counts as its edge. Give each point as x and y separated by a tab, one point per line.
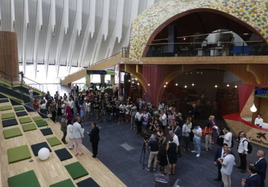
115	153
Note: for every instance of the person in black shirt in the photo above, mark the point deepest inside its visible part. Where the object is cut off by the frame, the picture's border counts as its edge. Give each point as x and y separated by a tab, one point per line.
154	148
94	138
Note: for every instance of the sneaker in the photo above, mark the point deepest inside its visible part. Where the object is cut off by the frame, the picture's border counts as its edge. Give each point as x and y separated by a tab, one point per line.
193	151
198	155
148	169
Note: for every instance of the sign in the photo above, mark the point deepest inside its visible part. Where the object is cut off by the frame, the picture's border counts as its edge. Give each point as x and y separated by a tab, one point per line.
261	92
96	72
258	136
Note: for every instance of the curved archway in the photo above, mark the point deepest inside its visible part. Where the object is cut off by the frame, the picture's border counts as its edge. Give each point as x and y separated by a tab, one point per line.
199	10
147	23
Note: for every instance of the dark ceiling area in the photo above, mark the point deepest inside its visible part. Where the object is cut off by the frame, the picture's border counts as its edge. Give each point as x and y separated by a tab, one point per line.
205	22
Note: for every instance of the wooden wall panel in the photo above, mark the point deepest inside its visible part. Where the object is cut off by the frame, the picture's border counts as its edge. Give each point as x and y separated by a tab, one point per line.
9	55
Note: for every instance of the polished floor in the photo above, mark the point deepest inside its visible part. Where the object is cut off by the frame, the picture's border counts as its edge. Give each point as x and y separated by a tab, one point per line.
120	150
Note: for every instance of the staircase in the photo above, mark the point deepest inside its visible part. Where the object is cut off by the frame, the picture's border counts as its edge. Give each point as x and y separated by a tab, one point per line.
101	65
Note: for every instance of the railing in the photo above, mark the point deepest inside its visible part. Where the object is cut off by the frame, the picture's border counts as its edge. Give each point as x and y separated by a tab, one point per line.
33	84
246	48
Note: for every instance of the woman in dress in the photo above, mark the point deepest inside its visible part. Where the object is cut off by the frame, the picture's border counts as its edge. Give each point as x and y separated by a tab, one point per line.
162	157
172	150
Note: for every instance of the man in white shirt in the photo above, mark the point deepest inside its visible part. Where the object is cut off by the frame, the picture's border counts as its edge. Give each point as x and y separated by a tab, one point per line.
78	134
197	139
138	121
227	137
258	121
163	119
227	163
243	151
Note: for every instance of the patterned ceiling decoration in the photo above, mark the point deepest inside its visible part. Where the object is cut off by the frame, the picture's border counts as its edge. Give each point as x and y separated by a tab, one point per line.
254	13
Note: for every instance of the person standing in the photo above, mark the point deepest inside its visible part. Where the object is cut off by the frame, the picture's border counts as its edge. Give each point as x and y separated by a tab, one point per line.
208	136
186	129
177	130
197	139
63	123
78	134
94	138
227	137
154	148
261	166
220	153
242	151
227	164
138	121
70	136
254	180
162	157
172	150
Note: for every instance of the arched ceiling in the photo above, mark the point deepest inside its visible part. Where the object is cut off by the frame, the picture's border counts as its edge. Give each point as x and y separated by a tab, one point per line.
69	32
251	13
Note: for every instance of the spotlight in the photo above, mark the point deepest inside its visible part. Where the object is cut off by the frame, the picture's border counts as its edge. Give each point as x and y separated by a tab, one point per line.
185	86
149	84
165	86
136	79
176	84
216	86
192	84
228	85
235	86
138	84
129	80
132	82
166	82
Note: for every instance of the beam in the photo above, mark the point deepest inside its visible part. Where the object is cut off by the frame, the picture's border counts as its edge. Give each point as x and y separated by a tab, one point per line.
117	32
38	26
48	40
24	36
133	15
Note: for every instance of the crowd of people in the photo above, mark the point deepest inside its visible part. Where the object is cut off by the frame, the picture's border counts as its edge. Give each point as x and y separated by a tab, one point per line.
165	130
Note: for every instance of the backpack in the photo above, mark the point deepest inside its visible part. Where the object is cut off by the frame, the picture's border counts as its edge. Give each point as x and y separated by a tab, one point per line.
250	148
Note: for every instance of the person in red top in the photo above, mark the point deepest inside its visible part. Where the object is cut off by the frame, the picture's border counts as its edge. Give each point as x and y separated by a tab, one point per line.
69	113
207	132
36	105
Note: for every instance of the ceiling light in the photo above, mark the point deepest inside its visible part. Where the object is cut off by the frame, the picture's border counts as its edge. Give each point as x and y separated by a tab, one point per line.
253	108
149	84
216	86
228	85
192	84
235	86
176	84
138	84
165	86
166	82
132	82
185	86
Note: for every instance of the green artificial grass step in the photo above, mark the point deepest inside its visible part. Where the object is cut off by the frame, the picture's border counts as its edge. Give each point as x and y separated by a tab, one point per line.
25	120
28	179
65	183
7	107
53	141
76	170
17	154
29	127
18	108
8	115
10	133
41	123
37	118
